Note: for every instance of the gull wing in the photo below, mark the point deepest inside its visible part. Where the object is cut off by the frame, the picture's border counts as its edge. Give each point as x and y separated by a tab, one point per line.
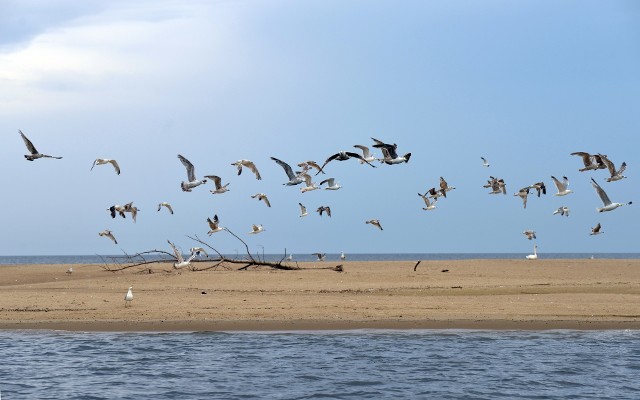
176	252
586	157
561	186
287	168
28	143
303	209
601	193
191	175
252	167
217	181
115	165
365	150
358	156
328	181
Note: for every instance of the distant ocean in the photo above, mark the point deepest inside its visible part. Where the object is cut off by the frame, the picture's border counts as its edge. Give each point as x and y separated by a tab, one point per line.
420	364
95	259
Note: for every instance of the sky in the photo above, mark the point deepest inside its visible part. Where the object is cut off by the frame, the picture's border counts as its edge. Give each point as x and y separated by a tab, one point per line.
523	84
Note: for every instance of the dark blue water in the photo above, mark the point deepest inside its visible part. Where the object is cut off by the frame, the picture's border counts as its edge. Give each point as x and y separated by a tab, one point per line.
325	365
95	259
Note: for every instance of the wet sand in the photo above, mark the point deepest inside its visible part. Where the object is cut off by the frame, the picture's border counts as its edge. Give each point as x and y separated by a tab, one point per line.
471	294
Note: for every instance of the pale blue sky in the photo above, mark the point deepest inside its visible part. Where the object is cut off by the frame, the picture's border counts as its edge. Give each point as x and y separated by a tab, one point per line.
523	83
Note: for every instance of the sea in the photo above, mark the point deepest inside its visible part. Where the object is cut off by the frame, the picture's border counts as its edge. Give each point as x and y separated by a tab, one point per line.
353	364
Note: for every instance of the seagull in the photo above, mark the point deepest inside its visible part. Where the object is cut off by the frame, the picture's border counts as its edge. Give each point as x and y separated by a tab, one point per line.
331	184
530	234
497	185
249	164
129	207
69	271
35	154
128	298
116	208
485	163
303	210
608	205
523	193
616	175
167	205
390	156
533	256
294	179
256	229
374	222
198	250
214	225
342	256
320	256
590	161
107	233
307	165
220	188
444	187
596	230
326	209
309	186
263	197
343	156
539	187
564	210
366	154
102	161
429	205
434	194
191	175
562	186
180	261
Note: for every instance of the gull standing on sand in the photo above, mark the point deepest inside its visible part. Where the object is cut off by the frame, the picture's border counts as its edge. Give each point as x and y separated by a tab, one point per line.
214	226
294	179
485	163
191	175
331	184
180	261
262	197
108	234
342	256
248	164
128	298
69	271
102	161
326	209
167	205
35	154
596	230
430	205
255	229
529	234
562	186
608	204
303	210
375	223
616	175
564	210
217	181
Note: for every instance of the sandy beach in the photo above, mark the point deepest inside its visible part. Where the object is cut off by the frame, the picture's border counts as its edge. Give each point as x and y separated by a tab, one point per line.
474	294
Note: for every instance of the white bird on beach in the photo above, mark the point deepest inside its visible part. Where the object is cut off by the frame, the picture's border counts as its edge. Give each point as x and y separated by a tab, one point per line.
102	161
375	223
108	234
214	226
596	230
294	179
128	298
262	197
217	181
167	205
35	154
562	186
191	175
342	256
563	211
248	164
608	204
69	271
485	163
533	256
255	229
529	234
430	205
366	154
303	210
331	184
180	261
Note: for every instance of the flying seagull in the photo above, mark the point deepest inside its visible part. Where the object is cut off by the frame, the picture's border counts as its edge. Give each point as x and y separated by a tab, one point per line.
256	229
523	193
309	185
320	256
366	154
191	175
429	205
128	298
107	233
444	187
343	156
596	230
248	164
116	208
35	154
563	211
616	175
294	179
539	187
331	184
485	163
307	165
530	234
375	223
497	185
214	225
562	186
303	210
167	205
608	204
130	208
262	197
217	181
590	161
389	153
180	261
102	161
326	209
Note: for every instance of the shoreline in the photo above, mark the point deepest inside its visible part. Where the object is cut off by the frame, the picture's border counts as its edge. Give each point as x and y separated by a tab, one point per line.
480	294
